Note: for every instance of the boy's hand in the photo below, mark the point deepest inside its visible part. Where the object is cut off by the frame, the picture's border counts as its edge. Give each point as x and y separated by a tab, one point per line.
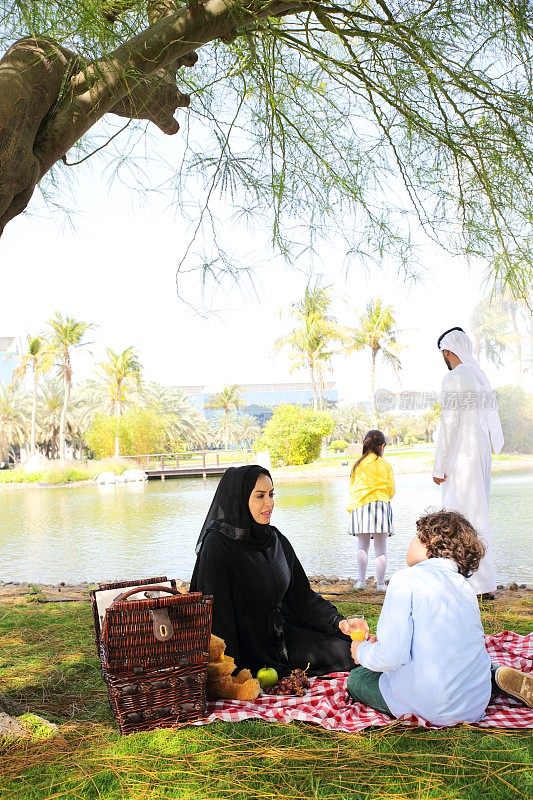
438	481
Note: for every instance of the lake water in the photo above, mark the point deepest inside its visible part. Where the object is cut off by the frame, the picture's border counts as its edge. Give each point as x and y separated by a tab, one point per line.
92	533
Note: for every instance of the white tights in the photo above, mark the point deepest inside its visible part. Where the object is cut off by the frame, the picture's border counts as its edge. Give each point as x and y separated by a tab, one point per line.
380	555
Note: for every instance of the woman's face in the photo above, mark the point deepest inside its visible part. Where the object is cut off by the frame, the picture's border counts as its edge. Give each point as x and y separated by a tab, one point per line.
261	502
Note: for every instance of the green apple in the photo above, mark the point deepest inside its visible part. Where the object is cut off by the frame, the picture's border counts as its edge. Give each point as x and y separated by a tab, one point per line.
267	677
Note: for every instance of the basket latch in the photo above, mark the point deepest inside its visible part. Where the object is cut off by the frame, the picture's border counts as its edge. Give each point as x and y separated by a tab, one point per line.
162	624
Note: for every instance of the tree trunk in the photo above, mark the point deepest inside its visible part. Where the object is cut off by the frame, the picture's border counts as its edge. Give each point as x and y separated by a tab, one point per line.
373	388
321	390
314	384
226	435
117	429
4	449
33	415
63	420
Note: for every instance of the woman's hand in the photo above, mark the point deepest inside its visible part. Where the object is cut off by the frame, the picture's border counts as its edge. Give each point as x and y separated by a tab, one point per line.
353	650
344	627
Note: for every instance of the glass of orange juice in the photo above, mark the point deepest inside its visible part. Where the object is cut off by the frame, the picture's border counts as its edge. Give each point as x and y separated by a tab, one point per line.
358	628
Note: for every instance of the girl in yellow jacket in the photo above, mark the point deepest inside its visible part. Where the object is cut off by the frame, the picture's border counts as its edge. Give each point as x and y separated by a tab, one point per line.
371	489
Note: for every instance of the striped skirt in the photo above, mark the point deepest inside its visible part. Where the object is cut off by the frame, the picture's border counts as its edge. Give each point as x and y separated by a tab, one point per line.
372	518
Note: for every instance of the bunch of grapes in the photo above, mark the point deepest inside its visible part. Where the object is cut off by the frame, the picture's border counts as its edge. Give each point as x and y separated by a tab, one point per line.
295	684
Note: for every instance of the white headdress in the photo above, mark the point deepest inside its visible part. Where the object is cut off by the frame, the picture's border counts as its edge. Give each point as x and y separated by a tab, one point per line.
456	341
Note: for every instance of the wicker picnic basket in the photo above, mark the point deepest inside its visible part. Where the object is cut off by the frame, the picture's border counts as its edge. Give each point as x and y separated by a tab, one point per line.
154	652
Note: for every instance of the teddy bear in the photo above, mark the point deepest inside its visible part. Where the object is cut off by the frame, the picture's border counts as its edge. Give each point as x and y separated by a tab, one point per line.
221	683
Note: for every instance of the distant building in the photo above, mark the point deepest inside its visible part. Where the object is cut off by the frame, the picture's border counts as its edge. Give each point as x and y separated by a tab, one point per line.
9	347
195	394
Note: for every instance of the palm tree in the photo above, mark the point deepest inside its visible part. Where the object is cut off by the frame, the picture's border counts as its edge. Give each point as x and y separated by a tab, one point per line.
121	373
249	430
351	423
229	399
311	342
67	334
376	332
37	359
430	420
225	429
81	412
229	402
491	321
14	413
49	405
184	423
391	427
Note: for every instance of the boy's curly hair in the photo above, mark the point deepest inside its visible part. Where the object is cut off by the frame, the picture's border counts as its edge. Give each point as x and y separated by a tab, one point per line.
447	534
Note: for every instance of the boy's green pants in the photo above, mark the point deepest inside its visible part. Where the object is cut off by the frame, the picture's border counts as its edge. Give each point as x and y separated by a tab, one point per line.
363	685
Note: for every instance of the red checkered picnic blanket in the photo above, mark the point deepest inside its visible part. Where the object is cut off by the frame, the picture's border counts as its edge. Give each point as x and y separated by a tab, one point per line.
326	704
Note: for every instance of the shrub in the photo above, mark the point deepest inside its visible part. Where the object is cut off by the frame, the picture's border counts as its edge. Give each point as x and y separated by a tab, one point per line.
146	432
294	435
141	431
338	445
100	436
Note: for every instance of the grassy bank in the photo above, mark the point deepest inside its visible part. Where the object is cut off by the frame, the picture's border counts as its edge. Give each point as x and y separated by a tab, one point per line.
404	459
48	665
57	474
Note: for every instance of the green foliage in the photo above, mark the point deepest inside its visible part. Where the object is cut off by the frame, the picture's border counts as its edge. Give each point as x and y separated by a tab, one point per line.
312	116
146	432
38	727
120	373
141	430
187	427
35	595
294	435
229	399
516	414
18	475
100	436
56	475
338	445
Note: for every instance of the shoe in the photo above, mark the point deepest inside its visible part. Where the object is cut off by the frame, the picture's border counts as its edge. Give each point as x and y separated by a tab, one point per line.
380	587
360	585
517	684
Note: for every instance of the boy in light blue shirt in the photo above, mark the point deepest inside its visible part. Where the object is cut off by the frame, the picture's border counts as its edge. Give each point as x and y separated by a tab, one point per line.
429	658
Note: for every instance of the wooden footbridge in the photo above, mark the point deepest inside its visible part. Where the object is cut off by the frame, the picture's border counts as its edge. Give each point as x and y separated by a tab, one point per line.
189	464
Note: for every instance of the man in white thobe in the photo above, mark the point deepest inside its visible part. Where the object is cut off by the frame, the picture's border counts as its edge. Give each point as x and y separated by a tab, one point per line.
470	430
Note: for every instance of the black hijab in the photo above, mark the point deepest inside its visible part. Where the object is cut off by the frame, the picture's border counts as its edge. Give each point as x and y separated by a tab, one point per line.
229	512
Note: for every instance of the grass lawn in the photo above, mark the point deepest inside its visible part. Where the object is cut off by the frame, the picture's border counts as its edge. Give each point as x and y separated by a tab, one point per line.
48	665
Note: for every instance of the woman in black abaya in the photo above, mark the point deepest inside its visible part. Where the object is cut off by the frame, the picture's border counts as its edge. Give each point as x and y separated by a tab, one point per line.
263	606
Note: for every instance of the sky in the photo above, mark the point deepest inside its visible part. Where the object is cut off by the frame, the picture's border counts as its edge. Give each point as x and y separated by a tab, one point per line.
114	264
